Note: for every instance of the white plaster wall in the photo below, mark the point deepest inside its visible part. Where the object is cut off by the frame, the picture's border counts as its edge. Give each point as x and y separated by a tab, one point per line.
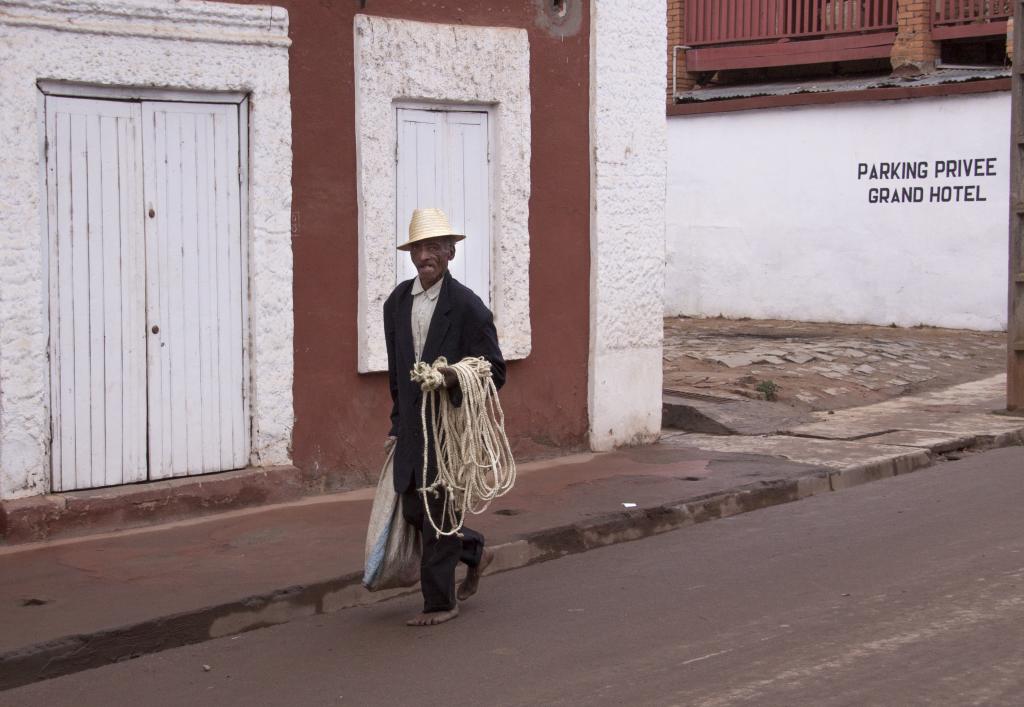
159	43
627	240
402	60
767	218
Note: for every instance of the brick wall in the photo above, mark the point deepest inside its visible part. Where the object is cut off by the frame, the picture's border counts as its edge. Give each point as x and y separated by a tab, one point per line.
684	81
1009	39
914	51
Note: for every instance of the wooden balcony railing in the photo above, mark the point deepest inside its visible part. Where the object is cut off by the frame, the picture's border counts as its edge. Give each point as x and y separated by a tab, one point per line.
732	34
957	19
728	21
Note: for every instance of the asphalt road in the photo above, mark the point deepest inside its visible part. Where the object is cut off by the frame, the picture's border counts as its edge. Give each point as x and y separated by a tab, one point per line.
902	592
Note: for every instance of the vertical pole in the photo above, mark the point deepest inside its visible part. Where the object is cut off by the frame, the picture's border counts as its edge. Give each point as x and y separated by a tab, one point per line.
1015	318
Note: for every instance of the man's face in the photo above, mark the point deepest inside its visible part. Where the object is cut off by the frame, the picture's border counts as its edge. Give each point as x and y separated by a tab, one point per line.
431	258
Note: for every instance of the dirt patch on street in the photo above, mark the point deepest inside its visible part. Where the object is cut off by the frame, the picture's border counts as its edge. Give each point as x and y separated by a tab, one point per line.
814	366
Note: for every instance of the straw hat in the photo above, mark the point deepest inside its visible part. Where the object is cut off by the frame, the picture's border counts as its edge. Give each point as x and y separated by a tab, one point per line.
429	223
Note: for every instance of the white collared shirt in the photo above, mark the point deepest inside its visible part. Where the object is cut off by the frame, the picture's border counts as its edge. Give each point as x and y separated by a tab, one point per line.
423	304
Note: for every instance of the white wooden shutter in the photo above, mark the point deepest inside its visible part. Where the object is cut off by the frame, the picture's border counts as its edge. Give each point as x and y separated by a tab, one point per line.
443	162
468	203
196	289
97	293
421	173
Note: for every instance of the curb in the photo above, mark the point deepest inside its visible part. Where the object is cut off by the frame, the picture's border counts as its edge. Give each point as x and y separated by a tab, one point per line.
76	653
59	515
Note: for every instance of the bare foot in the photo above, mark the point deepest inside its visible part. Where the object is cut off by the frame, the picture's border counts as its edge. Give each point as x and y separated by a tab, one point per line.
433	618
472	581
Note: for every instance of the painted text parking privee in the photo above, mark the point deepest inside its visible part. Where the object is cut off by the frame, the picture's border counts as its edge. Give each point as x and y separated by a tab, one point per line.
922	169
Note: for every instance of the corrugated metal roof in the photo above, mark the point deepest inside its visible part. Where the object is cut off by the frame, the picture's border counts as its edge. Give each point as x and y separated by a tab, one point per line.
945	75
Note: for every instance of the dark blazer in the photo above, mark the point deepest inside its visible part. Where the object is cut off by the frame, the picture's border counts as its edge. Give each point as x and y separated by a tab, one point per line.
461	326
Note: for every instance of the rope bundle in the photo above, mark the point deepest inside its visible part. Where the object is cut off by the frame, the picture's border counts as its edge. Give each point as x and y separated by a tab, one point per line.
474	461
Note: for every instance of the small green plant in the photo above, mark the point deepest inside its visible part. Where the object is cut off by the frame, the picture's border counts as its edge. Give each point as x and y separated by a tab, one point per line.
769	389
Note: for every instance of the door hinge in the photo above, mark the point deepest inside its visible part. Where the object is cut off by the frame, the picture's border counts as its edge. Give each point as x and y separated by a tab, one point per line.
239	174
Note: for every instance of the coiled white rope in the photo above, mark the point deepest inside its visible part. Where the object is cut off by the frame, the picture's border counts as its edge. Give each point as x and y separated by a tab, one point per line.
474	461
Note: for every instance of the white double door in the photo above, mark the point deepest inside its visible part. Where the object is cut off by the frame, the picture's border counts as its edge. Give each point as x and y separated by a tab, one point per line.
443	162
147	290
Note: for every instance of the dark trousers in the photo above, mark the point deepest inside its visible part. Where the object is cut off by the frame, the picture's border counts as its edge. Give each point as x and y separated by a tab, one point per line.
441	554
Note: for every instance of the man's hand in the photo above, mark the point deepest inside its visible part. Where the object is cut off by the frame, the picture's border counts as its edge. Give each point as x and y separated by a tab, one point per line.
389	443
450	379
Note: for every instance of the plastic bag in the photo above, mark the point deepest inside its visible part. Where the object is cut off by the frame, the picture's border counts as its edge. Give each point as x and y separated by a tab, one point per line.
392	545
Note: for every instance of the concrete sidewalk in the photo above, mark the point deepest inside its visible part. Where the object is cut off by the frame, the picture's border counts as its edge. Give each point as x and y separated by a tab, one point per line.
910	430
75	604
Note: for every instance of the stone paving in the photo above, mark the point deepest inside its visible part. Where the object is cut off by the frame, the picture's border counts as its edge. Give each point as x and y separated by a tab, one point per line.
816	366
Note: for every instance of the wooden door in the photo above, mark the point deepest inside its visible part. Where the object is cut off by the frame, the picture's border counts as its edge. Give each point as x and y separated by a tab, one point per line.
97	292
148	290
443	162
196	289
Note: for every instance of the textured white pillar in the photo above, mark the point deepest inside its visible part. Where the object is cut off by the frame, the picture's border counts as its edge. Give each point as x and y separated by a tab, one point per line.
627	220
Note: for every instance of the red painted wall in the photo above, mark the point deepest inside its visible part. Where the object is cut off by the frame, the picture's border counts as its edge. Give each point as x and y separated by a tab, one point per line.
341	415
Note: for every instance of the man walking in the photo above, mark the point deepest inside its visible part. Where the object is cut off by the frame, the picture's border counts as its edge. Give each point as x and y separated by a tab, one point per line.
426	317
